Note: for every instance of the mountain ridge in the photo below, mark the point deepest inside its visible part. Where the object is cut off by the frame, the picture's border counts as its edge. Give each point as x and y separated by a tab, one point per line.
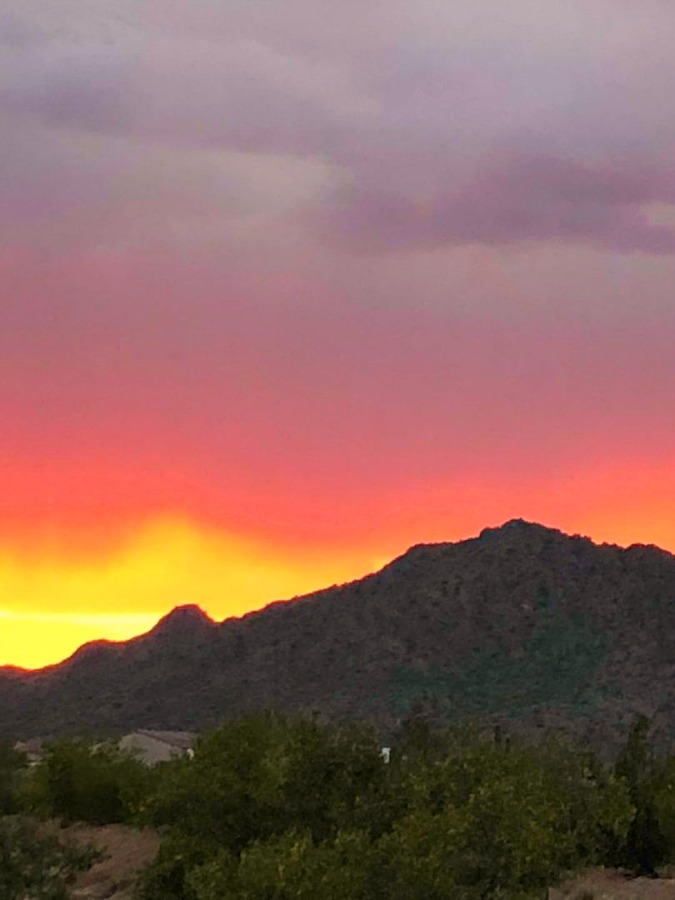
523	623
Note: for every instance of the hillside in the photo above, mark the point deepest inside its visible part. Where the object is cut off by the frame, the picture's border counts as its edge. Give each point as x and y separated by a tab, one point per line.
522	623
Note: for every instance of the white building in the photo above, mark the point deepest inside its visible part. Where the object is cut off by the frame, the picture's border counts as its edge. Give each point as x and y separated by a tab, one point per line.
158	746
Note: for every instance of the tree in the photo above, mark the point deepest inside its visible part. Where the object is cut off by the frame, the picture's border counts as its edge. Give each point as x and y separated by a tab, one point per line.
283	809
80	781
12	767
646	846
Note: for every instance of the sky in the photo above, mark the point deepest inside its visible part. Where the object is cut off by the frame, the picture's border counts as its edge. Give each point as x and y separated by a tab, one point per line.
287	287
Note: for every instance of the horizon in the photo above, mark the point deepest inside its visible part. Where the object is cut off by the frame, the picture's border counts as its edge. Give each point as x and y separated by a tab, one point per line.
287	288
154	622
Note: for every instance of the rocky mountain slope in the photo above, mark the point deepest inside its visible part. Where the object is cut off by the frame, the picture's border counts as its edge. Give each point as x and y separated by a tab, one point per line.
522	623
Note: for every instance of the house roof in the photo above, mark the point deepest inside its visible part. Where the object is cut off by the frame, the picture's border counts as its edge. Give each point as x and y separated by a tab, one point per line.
180	740
34	745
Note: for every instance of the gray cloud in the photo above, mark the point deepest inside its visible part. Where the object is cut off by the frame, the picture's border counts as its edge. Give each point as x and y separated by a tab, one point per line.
517	199
433	123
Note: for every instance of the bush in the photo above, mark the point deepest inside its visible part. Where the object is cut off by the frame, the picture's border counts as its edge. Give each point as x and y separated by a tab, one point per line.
80	781
37	866
12	768
279	809
650	842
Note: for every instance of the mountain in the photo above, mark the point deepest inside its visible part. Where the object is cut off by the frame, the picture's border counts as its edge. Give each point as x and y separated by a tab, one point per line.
522	624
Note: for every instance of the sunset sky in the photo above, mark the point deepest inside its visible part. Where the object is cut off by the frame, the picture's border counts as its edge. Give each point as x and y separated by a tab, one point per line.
287	286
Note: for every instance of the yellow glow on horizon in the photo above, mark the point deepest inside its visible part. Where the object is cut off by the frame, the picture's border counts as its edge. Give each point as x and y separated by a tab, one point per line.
49	605
33	640
61	588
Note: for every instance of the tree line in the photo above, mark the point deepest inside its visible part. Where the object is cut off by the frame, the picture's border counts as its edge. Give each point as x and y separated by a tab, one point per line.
276	808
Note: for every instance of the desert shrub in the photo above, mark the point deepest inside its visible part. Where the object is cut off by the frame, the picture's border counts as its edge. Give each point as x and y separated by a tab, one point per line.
491	821
293	865
258	778
261	775
168	877
80	781
278	809
650	779
12	768
35	865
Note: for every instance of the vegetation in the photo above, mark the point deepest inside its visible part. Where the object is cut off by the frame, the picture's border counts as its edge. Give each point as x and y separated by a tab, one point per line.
35	865
78	781
275	808
556	666
12	767
650	781
272	808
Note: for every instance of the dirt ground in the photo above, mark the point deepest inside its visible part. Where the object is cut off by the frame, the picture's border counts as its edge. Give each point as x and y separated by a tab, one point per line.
126	851
601	884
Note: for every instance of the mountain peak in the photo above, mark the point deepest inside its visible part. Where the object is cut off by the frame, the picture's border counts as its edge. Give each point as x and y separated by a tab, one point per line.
523	622
182	619
520	527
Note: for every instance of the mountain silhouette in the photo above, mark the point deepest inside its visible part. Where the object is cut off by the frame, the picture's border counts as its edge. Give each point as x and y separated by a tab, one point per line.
522	624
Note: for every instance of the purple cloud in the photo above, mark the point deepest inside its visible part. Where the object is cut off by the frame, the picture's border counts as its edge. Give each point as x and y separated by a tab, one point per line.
517	199
432	124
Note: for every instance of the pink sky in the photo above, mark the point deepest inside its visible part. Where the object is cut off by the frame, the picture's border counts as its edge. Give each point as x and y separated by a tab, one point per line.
332	277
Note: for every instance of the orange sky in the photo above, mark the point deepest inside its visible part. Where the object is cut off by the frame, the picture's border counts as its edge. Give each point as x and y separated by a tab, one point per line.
54	603
64	588
407	272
